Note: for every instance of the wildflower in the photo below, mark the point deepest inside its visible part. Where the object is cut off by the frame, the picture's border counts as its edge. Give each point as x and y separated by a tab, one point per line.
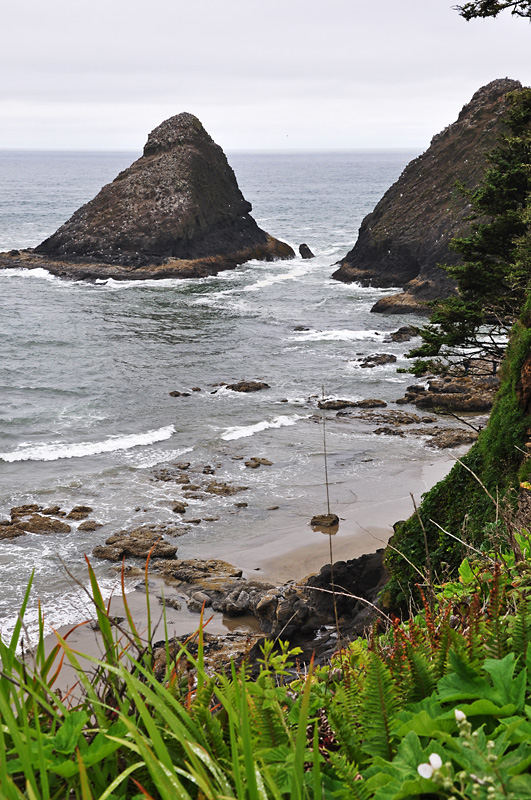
427	770
460	716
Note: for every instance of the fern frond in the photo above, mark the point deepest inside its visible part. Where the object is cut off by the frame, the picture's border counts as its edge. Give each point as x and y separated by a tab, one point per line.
497	634
348	774
377	709
341	713
422	675
521	627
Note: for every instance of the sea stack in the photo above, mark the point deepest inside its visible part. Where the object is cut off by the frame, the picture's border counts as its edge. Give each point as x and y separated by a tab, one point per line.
177	210
406	237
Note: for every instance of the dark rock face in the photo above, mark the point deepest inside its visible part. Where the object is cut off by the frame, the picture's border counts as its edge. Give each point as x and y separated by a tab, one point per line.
180	200
305	251
408	234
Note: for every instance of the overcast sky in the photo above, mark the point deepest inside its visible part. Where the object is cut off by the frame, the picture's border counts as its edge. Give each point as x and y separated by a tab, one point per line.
100	74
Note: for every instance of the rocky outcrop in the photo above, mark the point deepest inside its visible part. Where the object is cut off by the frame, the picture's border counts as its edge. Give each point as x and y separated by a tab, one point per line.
464	393
137	544
406	237
176	211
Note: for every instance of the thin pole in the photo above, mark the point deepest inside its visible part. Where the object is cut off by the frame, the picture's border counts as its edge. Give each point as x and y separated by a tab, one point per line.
325	460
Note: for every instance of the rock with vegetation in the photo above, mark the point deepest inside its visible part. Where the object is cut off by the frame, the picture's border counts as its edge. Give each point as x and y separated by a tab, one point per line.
406	237
176	211
484	486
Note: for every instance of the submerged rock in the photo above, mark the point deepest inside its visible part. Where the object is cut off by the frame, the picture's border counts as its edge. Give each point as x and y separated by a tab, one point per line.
177	210
406	237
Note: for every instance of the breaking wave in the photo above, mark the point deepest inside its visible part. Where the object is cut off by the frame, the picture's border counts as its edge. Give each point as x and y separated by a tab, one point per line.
52	451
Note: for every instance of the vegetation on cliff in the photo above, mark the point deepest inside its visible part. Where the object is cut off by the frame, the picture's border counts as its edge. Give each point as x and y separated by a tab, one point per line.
431	708
494	288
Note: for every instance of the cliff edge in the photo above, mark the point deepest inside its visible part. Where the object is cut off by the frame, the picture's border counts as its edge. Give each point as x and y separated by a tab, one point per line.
406	237
176	210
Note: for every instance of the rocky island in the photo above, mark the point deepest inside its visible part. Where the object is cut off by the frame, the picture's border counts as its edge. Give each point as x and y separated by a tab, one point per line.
407	236
175	212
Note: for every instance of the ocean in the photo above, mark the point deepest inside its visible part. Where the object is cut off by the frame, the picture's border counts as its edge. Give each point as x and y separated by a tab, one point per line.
86	415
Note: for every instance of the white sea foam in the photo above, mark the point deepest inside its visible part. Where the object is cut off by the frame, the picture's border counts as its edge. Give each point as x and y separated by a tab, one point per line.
297	272
141	459
241	431
343	335
148	283
38	272
52	451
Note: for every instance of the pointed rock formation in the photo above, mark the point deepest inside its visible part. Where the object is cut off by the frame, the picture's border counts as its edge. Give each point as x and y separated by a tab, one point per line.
407	235
177	210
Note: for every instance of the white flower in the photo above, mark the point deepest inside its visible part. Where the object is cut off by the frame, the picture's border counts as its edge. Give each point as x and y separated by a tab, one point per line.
425	770
435	761
460	716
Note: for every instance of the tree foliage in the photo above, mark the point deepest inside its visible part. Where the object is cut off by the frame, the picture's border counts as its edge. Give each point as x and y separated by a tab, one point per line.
491	8
495	275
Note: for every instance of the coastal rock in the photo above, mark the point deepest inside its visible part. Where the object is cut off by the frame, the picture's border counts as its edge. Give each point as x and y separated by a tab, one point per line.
305	251
224	489
89	525
248	386
361	577
210	576
407	235
37	523
176	211
333	405
340	405
137	544
403	334
54	511
451	437
8	530
325	520
461	393
79	512
377	360
371	402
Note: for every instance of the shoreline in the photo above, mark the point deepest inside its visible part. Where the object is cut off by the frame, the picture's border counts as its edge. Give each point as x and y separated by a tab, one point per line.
363	530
